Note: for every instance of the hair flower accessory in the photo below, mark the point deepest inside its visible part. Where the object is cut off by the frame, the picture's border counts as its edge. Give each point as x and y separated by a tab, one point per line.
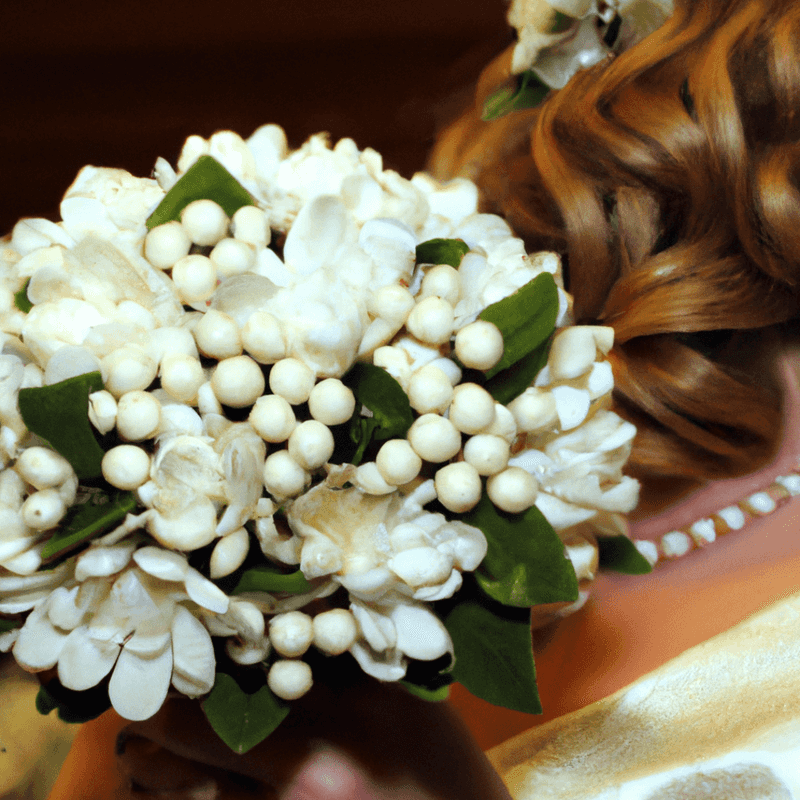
275	407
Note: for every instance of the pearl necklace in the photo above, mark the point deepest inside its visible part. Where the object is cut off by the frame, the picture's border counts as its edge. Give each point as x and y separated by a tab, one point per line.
680	541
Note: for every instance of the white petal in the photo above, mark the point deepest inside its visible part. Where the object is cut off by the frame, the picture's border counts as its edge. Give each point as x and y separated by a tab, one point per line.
246	619
193	653
572	405
138	686
27	562
429	594
7	639
84	661
162	563
39	643
22	602
375	627
103	561
387	666
205	593
149	640
64	609
421	566
420	633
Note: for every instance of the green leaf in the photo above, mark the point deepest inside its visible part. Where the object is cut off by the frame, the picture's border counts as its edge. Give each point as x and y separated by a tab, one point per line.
424	693
528	93
561	23
526	319
512	382
242	720
494	654
74	707
89	520
60	415
619	554
269	579
21	298
442	251
206	179
526	563
9	624
384	397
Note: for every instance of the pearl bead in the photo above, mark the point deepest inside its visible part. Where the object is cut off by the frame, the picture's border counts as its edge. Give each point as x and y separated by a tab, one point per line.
166	244
263	338
331	402
289	679
311	444
195	278
138	416
128	369
487	453
431	320
334	631
472	408
397	462
217	335
205	222
181	377
249	224
229	553
43	510
513	490
232	257
442	281
273	418
126	466
429	390
283	476
292	380
238	382
434	438
572	352
458	487
291	633
479	345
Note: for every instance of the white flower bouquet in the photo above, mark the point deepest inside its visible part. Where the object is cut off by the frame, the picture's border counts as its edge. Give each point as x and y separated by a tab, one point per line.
277	407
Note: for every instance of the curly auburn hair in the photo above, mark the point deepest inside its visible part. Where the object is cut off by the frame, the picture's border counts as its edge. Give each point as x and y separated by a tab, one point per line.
667	178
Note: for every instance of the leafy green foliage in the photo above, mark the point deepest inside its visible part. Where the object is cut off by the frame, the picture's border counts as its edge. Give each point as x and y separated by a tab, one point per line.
619	554
436	695
384	397
9	624
267	578
60	415
561	23
240	719
494	654
89	520
206	179
21	298
526	319
512	382
442	251
72	706
525	564
528	92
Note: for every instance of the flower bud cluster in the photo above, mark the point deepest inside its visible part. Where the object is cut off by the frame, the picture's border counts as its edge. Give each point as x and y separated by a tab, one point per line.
224	345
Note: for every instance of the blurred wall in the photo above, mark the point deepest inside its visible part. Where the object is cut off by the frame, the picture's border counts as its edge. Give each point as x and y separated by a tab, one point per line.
118	84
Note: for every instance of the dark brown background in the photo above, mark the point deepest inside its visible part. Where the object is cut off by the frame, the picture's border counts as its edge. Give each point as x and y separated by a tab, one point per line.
119	84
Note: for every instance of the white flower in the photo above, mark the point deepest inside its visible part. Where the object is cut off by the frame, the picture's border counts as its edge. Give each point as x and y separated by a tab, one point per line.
140	622
580	472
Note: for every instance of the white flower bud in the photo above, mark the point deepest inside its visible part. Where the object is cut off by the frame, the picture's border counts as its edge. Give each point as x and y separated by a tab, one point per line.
533	409
572	352
126	466
68	362
207	402
479	345
166	244
434	438
291	633
249	224
334	631
421	566
181	377
247	653
289	679
128	369
43	468
431	320
603	338
232	257
43	510
513	490
504	425
429	390
32	377
291	379
217	335
472	408
395	362
392	303
205	222
195	278
331	402
442	281
229	553
458	486
572	405
272	418
283	476
397	462
311	444
238	382
488	454
370	481
12	488
262	337
138	416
